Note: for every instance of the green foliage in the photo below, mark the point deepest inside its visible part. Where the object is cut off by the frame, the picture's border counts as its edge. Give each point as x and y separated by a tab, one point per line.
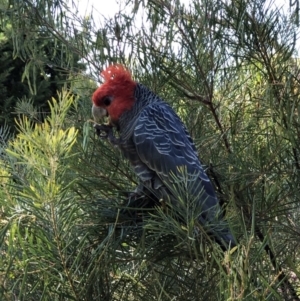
68	228
34	64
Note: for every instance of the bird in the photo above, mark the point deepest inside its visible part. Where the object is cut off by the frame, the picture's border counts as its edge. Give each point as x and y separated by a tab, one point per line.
153	138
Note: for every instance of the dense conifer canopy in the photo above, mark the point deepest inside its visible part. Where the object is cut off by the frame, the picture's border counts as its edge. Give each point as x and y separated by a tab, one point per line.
68	230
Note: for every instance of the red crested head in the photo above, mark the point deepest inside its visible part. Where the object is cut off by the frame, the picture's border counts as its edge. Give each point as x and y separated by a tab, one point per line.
116	94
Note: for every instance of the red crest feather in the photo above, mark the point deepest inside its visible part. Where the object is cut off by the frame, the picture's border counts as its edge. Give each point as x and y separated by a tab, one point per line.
118	84
116	73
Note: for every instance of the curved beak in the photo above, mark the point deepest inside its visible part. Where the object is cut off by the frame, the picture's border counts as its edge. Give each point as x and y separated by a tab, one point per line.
98	113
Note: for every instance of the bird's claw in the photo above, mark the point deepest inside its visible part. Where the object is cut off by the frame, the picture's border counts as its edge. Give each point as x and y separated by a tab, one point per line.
133	196
108	133
100	128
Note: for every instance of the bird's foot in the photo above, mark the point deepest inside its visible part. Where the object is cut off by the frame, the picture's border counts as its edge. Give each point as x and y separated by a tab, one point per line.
100	128
108	133
136	195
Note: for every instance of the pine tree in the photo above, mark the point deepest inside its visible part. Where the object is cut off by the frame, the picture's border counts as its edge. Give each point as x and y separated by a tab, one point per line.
33	75
68	228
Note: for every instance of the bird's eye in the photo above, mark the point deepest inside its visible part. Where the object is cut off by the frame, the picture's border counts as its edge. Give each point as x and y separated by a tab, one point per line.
107	100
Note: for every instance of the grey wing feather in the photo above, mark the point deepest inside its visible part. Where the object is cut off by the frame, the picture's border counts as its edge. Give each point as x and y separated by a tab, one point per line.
163	144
